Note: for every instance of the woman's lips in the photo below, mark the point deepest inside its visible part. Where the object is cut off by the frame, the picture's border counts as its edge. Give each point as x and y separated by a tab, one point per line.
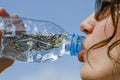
82	52
80	55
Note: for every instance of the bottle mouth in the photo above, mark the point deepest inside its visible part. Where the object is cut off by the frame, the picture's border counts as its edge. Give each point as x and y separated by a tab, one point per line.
76	44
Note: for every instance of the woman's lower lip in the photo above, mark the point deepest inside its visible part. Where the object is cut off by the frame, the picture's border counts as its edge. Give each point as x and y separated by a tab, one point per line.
80	55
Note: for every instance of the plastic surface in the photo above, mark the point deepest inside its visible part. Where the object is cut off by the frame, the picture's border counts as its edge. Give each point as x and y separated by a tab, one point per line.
36	40
76	44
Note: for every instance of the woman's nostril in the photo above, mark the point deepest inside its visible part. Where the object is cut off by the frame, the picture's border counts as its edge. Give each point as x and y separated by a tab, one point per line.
86	31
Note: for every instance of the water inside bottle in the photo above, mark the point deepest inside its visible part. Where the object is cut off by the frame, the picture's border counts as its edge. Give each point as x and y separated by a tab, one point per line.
39	47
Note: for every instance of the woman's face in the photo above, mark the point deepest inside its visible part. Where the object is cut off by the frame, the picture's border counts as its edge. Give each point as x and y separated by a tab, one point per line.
100	66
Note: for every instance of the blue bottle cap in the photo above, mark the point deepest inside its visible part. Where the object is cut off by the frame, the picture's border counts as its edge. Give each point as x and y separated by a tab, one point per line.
76	44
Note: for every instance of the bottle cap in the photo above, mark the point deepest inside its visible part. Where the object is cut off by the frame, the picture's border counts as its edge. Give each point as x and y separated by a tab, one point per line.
76	44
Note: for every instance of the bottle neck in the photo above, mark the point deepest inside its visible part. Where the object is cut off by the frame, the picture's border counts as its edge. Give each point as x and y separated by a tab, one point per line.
76	44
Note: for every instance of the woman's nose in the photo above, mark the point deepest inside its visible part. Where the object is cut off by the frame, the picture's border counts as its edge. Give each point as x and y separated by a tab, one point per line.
88	24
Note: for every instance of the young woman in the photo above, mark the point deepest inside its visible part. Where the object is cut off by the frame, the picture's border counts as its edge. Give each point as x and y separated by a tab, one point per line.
102	45
101	53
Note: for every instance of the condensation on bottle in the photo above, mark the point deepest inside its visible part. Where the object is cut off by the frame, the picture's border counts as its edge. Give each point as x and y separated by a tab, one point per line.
33	40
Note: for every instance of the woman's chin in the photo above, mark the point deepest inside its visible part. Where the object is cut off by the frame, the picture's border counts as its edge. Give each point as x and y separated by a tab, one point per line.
85	73
89	73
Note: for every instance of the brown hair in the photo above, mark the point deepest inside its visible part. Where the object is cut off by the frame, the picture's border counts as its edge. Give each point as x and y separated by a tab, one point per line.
114	7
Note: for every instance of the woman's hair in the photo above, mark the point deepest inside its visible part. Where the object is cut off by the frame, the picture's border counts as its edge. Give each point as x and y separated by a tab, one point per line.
115	14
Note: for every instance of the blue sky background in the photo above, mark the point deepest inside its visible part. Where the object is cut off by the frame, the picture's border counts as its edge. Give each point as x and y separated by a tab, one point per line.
66	13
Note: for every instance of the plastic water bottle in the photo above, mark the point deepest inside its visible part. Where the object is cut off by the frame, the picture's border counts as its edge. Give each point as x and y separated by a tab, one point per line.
36	40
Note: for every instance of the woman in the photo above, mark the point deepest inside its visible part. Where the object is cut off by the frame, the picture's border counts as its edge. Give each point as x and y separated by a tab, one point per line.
101	53
101	47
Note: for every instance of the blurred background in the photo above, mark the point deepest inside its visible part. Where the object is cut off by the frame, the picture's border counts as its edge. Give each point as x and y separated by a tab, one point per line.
66	13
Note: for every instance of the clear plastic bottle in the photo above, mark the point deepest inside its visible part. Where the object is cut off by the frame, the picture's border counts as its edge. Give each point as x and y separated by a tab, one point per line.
36	40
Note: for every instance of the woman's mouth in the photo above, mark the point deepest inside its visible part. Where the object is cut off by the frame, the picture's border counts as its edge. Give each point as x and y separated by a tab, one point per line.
81	53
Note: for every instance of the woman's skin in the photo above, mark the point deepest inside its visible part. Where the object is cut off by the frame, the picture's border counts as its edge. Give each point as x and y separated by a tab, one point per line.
5	62
100	66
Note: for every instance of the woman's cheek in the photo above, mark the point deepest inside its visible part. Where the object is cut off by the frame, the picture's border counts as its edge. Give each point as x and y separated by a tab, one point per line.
101	31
